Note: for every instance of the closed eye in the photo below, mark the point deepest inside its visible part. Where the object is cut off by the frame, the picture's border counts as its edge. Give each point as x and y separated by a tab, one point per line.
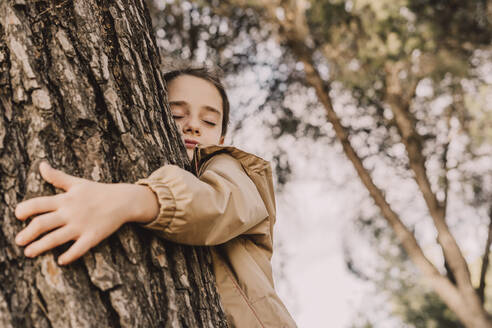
210	123
177	116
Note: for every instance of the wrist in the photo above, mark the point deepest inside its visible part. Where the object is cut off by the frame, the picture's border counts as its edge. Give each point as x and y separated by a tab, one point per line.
144	204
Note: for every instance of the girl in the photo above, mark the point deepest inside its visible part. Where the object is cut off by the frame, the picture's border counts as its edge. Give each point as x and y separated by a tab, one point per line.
228	205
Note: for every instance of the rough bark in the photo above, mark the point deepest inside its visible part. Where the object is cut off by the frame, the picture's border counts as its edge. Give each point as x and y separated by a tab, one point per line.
80	86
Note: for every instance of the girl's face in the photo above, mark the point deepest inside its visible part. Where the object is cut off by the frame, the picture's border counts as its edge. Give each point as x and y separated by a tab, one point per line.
196	106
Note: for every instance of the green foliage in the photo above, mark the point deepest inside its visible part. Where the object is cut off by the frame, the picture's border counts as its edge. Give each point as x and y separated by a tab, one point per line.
423	308
433	38
480	109
459	25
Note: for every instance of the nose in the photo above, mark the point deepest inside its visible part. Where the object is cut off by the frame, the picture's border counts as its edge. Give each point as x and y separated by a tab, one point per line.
191	126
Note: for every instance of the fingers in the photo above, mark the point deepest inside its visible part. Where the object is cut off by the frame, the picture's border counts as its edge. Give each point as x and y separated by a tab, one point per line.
38	226
56	177
44	204
35	206
50	241
79	248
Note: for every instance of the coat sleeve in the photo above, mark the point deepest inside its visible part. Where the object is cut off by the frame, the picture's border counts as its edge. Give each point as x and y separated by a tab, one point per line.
210	210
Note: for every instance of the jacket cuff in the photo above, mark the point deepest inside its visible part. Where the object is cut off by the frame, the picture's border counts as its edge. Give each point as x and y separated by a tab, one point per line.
167	203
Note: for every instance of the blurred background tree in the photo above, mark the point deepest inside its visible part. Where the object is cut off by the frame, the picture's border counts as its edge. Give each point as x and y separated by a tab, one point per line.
406	86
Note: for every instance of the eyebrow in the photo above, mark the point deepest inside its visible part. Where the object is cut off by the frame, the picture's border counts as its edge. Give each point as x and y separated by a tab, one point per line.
185	104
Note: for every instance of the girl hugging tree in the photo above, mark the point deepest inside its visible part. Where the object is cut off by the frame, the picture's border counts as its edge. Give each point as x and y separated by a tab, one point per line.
227	204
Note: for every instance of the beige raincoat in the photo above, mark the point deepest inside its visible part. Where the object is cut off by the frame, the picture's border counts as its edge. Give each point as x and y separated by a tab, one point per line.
231	208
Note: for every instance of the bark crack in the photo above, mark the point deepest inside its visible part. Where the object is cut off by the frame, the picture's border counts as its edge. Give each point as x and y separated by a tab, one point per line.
104	295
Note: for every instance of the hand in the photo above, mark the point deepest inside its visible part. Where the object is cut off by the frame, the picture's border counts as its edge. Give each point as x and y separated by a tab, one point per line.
88	212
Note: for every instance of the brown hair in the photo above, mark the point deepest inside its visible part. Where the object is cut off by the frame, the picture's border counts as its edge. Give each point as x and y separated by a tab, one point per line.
209	74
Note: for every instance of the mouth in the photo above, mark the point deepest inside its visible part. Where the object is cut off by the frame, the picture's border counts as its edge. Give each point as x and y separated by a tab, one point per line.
189	143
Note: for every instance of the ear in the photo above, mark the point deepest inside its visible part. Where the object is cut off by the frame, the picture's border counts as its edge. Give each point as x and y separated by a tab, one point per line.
221	140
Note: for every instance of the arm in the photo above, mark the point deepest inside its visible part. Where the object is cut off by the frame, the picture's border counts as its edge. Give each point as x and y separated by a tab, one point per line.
212	209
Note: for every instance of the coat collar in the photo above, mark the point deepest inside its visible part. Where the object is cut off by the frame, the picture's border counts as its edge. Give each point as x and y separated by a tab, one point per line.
250	162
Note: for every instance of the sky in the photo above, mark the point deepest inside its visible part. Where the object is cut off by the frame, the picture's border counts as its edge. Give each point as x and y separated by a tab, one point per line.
324	291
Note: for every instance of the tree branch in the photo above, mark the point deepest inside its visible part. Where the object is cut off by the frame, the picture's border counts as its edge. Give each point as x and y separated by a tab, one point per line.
403	233
444	161
447	291
485	262
414	146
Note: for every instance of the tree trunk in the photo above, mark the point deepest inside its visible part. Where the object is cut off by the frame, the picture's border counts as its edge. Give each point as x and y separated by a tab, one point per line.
80	86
